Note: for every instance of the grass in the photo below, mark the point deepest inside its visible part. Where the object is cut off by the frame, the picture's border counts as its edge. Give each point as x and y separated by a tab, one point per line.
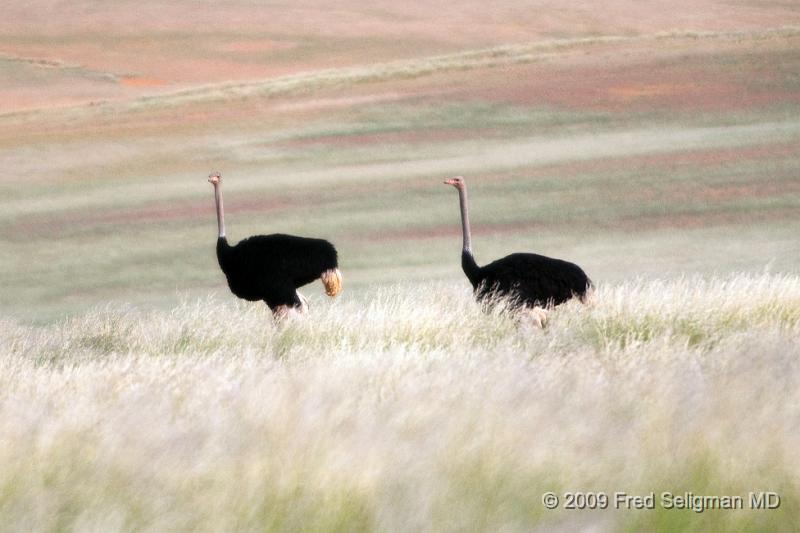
409	409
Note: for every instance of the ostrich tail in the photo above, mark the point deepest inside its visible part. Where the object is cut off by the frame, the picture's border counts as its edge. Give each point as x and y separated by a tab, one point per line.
332	279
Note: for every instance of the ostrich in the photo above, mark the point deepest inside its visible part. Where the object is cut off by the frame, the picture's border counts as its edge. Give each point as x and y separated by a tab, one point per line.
272	267
530	281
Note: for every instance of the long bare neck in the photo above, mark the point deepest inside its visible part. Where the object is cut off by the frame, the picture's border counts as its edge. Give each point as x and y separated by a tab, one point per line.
462	198
220	213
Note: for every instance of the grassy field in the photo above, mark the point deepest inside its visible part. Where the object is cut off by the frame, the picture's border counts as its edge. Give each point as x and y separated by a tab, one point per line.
659	149
411	410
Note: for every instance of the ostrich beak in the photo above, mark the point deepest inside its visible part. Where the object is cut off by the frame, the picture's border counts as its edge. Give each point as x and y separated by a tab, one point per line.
449	181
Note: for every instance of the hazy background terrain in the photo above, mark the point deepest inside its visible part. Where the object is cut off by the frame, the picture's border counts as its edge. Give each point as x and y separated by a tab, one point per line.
633	139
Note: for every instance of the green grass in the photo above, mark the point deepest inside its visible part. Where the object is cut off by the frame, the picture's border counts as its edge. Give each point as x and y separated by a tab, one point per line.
408	408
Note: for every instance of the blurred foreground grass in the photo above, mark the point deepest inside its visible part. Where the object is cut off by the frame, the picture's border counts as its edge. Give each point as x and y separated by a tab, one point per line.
406	410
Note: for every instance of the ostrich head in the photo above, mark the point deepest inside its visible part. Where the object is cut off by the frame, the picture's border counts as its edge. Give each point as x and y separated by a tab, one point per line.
457	182
215	178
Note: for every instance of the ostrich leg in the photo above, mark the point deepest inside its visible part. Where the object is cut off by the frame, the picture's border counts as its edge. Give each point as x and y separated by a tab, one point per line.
534	316
303	309
296	308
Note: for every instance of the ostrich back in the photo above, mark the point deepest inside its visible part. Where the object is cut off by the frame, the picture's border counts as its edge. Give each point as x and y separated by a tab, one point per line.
272	267
531	280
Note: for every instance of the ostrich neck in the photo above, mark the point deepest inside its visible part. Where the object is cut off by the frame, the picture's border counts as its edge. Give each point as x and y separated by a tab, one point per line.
468	264
220	213
462	198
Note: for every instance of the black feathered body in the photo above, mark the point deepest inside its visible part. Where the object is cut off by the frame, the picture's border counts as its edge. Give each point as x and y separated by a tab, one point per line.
527	279
272	267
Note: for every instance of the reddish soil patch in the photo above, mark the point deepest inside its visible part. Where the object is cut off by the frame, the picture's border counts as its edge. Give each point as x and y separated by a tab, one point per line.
645	78
389	137
674	160
725	193
711	194
462	22
54	225
257	46
625	223
704	220
133	81
450	230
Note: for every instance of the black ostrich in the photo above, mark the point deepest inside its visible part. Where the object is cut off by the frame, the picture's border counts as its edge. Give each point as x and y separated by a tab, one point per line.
529	281
272	267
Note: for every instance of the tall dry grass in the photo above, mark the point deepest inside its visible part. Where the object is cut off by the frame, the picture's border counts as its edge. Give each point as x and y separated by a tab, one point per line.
406	410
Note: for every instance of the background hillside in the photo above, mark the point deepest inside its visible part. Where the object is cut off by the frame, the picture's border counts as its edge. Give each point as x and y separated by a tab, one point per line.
634	140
